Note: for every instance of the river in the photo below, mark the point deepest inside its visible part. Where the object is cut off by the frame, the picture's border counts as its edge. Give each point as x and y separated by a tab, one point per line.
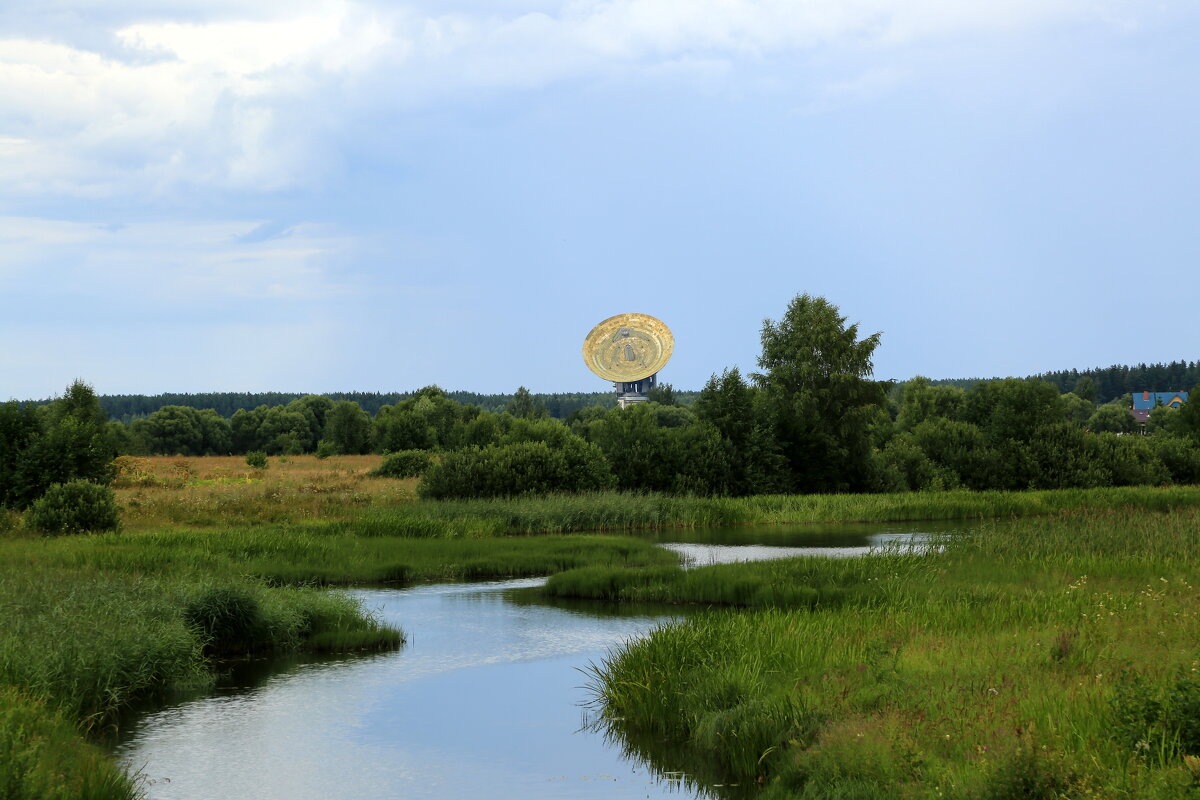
487	699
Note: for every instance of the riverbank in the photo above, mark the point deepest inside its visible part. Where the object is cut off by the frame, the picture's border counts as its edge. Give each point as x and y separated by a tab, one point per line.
1038	658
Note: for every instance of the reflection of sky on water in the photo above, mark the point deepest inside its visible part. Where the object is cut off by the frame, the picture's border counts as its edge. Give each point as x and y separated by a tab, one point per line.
699	554
485	700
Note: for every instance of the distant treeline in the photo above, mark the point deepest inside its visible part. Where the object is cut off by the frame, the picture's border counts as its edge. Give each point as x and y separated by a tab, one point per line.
128	407
812	421
1111	383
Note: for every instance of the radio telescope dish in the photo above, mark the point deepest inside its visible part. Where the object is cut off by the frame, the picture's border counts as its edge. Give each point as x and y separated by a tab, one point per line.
628	347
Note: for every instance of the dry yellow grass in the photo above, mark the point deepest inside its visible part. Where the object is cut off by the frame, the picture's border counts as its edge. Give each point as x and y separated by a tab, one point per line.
158	491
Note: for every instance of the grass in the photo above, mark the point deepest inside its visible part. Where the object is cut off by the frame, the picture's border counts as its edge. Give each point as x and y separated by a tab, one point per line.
158	492
44	758
997	667
217	558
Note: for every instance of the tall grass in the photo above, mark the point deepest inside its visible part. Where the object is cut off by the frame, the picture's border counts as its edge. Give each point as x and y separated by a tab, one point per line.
42	756
990	668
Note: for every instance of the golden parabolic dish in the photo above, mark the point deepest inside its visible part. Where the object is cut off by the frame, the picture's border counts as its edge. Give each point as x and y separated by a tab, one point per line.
628	347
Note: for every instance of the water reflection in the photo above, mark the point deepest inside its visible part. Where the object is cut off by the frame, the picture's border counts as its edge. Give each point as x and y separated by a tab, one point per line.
698	547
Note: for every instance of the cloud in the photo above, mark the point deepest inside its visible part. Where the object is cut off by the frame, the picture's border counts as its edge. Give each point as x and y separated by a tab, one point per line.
262	101
171	265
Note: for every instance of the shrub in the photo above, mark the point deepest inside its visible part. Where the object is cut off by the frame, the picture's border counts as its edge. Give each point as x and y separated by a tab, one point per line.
403	464
132	471
516	469
229	618
74	507
326	448
1129	459
257	459
1180	456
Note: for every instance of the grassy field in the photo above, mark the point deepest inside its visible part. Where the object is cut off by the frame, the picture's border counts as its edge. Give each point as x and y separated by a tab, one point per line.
1056	657
161	492
217	559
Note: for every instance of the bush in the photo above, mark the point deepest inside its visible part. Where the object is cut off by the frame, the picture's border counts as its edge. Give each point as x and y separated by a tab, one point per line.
229	618
74	507
404	464
326	448
257	459
1129	459
1180	456
516	469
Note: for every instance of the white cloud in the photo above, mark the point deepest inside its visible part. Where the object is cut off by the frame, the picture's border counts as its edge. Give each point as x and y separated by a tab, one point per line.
257	103
171	264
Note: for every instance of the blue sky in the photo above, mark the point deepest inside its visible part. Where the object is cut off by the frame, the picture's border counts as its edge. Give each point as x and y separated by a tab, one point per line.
339	196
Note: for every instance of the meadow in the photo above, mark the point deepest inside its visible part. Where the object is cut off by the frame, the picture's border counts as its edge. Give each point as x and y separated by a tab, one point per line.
218	560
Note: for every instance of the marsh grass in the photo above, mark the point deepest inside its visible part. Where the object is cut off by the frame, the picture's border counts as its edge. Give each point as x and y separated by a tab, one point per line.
992	667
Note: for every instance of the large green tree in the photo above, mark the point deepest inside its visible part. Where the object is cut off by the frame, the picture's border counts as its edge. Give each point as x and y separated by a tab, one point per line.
349	428
61	442
816	376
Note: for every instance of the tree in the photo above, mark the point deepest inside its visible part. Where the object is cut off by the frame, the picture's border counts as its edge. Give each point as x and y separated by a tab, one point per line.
737	411
285	431
172	430
816	376
62	442
1012	408
1110	418
1086	388
1076	410
216	431
315	409
349	428
1187	423
245	425
20	429
921	401
523	406
725	403
663	394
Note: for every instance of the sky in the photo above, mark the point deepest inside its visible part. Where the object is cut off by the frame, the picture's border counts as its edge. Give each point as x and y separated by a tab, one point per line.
312	196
